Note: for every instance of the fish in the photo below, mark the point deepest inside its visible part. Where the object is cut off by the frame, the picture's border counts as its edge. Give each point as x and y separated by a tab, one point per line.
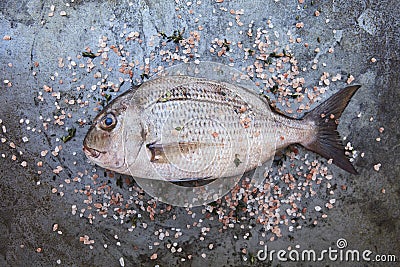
184	128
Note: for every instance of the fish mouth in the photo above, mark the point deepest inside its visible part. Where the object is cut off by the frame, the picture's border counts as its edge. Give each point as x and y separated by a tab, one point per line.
91	152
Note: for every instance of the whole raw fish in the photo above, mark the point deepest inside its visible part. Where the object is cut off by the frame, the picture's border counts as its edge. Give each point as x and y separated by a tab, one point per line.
178	128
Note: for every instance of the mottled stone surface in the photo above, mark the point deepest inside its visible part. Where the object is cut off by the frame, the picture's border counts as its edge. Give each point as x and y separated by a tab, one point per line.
357	30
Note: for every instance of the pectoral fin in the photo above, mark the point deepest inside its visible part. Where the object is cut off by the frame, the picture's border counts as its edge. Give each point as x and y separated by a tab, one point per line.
157	152
161	152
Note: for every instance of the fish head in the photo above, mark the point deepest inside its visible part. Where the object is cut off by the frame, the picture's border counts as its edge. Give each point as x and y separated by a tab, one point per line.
104	142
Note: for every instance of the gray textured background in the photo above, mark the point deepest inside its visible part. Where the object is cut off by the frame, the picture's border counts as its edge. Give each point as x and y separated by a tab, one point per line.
363	215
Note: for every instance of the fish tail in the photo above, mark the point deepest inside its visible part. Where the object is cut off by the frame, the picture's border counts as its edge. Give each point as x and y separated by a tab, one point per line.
326	141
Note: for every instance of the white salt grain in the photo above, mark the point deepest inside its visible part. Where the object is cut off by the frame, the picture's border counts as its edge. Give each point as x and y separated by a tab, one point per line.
121	261
377	166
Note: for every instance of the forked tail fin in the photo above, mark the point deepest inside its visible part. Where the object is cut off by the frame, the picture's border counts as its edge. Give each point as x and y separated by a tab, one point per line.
326	141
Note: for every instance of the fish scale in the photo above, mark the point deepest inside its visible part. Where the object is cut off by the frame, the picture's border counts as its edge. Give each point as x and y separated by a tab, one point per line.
217	151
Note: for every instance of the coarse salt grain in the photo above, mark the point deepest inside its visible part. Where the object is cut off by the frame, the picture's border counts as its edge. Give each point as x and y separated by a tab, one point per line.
58	169
377	166
350	79
73	209
299	25
317	208
121	261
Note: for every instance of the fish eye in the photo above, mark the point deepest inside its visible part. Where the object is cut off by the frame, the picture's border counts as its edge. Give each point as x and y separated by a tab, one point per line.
108	122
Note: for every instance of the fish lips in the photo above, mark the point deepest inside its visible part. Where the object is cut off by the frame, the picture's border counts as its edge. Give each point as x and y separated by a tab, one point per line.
91	152
95	156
